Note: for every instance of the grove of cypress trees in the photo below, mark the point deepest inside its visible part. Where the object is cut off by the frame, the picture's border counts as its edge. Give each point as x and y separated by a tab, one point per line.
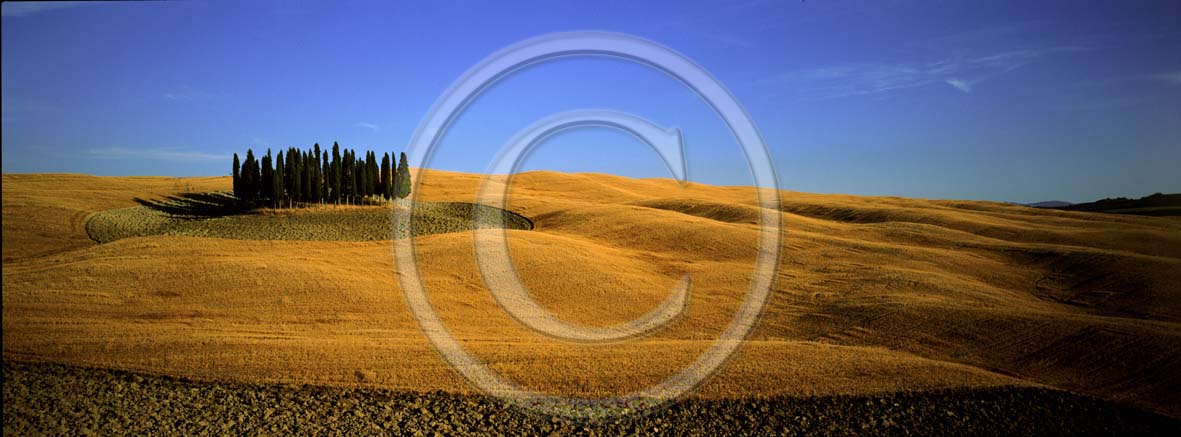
310	175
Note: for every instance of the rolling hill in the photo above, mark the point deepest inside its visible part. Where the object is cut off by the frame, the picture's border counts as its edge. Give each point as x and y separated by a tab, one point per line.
872	295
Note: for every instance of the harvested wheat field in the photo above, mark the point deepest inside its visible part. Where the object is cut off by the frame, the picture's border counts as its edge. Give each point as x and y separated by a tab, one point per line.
873	295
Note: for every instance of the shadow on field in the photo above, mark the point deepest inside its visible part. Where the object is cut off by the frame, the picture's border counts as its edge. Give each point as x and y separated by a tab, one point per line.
197	205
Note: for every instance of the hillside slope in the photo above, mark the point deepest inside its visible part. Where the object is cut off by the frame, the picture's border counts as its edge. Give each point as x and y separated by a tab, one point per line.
873	294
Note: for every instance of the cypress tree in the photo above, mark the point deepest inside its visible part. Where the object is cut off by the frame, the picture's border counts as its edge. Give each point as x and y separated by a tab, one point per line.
383	185
369	174
276	181
266	176
309	168
351	174
265	182
248	178
302	175
346	176
371	165
403	189
316	173
298	176
359	177
286	179
280	176
394	175
236	176
336	173
255	169
363	181
325	171
350	184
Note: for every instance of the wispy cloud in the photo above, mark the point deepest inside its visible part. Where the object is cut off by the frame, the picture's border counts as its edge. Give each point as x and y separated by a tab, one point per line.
24	9
371	126
1171	78
963	73
155	154
960	84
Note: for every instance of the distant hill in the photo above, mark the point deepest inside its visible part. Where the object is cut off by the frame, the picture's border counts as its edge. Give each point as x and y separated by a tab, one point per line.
1155	205
1049	204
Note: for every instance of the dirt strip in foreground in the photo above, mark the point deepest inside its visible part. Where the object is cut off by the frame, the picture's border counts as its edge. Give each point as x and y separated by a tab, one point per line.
51	398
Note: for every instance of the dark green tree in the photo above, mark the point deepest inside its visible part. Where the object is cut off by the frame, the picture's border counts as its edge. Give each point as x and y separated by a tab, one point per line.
249	180
256	176
276	182
325	171
403	188
288	172
280	177
336	170
351	174
265	182
383	184
370	173
316	175
359	178
359	173
310	164
236	176
345	177
374	174
297	176
267	192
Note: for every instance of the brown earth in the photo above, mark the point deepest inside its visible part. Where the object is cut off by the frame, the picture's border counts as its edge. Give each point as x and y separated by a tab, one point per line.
873	294
96	401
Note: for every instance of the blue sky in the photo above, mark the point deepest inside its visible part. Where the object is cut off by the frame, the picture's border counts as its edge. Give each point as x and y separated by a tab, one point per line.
998	100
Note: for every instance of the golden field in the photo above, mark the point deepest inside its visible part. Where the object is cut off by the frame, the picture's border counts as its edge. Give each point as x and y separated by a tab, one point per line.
872	294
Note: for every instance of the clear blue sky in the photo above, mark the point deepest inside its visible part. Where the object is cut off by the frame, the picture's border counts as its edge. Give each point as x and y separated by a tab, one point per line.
1000	100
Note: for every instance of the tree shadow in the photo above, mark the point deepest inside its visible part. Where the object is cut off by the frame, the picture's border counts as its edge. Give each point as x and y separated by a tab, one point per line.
197	205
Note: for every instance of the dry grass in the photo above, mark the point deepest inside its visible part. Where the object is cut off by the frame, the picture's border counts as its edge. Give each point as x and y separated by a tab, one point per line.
320	223
873	294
